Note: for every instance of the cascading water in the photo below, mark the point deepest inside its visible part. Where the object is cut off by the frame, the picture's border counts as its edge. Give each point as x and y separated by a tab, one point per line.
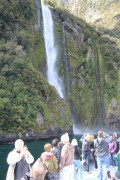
51	51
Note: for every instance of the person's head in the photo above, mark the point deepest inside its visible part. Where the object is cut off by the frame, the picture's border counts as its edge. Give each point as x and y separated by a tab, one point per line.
47	147
115	135
111	138
65	138
74	142
38	170
19	144
54	142
88	137
100	134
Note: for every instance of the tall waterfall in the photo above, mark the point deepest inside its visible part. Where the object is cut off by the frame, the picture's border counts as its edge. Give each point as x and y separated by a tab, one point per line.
51	51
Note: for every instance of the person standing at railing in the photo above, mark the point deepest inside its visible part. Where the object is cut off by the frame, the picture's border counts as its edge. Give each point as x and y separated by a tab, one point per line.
19	160
77	161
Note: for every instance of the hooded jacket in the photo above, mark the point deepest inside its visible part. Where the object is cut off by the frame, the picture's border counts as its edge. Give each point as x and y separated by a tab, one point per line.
14	159
50	161
67	155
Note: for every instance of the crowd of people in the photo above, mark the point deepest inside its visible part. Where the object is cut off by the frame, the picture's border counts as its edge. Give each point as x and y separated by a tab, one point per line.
65	159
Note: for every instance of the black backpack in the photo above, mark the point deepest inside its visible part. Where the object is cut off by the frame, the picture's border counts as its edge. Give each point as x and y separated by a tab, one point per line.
27	177
49	176
117	149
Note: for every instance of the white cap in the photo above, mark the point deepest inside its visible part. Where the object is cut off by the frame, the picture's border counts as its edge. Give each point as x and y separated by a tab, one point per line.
65	138
74	142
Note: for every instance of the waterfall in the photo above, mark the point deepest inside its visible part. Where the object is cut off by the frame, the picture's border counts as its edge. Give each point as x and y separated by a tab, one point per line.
51	50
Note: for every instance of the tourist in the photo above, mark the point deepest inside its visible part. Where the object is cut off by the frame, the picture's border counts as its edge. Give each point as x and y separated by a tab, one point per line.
93	151
82	139
50	159
66	159
102	153
87	152
55	150
112	150
60	145
19	160
115	138
37	172
77	162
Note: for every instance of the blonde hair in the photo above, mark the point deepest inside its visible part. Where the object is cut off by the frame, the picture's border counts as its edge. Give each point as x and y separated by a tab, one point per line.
47	147
88	137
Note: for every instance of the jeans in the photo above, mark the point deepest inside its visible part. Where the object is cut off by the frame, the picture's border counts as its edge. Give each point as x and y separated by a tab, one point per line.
103	160
77	170
94	159
86	155
112	160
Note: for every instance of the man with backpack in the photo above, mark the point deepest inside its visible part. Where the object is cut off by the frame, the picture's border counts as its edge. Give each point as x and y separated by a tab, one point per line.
102	153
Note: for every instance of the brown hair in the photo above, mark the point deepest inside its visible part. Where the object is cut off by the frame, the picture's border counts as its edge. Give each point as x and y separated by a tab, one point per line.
47	147
100	133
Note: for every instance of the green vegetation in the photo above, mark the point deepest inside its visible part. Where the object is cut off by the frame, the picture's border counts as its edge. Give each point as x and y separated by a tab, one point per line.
88	62
93	60
24	91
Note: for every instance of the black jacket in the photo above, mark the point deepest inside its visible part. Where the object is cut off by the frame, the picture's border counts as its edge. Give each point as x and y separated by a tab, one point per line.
77	152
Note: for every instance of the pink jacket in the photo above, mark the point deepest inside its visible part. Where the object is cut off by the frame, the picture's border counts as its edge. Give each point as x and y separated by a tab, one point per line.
112	147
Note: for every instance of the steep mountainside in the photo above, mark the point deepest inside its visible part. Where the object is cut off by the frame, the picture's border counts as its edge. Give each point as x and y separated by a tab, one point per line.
27	101
92	57
103	14
88	63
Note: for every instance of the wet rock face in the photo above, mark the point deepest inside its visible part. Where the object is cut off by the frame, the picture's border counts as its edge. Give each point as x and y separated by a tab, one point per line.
87	70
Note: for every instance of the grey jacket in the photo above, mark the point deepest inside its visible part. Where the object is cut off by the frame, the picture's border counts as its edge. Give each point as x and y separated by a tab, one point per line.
101	146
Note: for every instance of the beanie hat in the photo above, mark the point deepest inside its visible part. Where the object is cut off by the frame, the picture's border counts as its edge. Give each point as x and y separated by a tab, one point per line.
65	138
74	142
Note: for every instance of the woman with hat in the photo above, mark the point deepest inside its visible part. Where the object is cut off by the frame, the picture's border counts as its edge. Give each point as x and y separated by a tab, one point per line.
66	159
